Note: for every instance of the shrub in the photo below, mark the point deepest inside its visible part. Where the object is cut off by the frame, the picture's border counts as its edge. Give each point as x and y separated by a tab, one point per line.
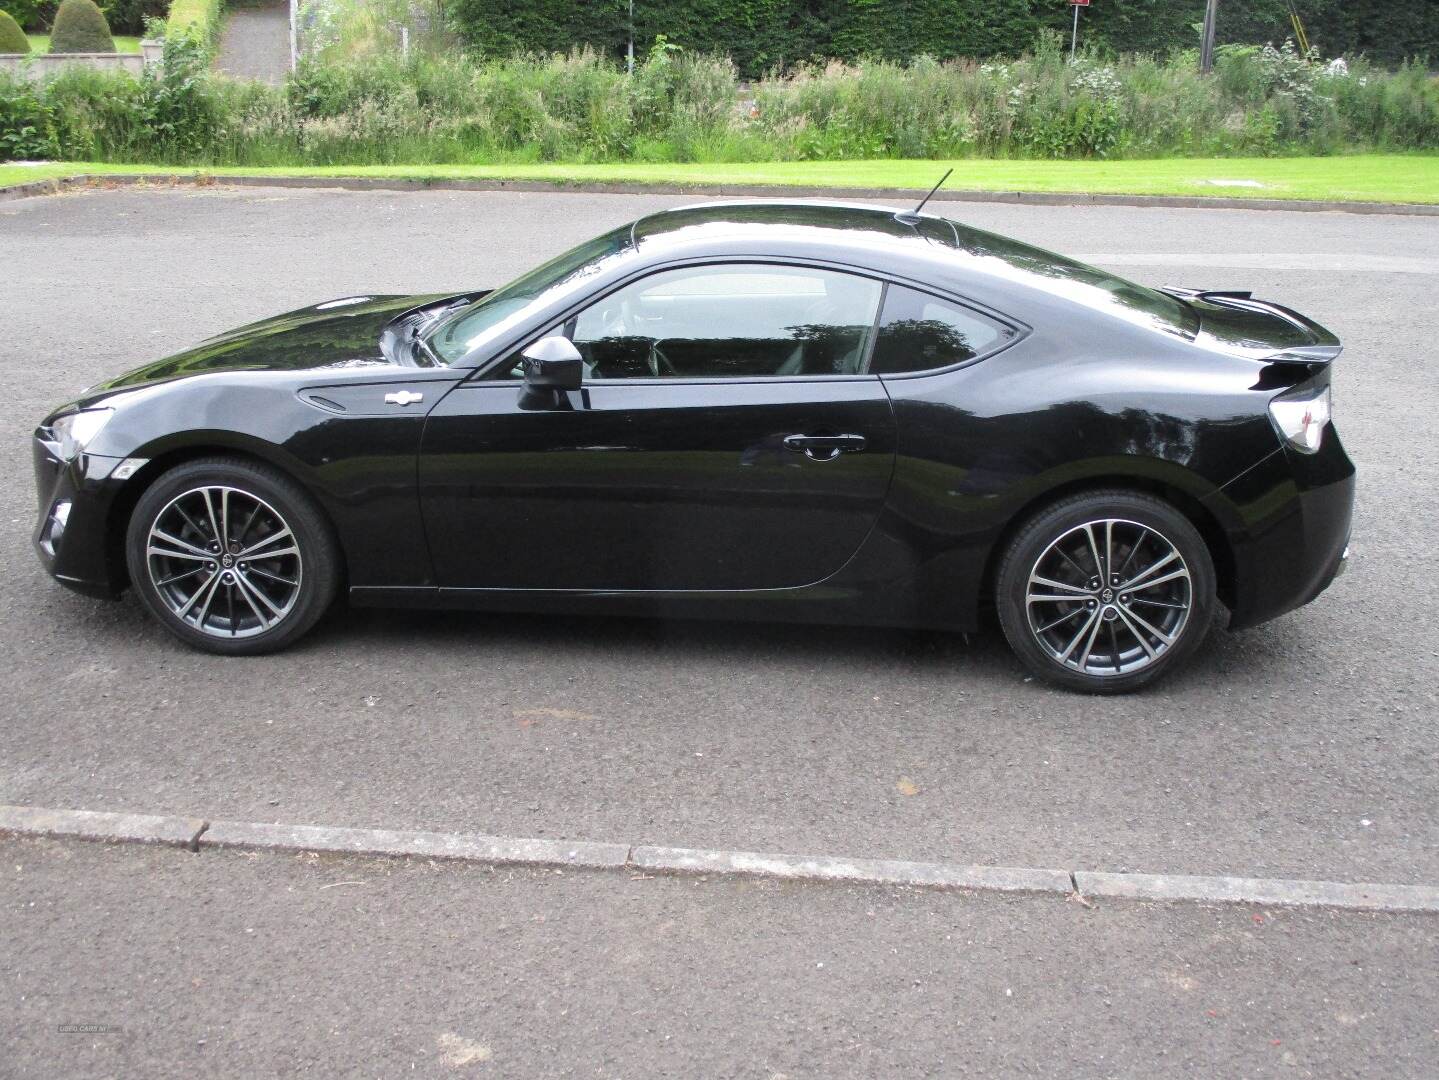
80	27
12	38
128	16
27	122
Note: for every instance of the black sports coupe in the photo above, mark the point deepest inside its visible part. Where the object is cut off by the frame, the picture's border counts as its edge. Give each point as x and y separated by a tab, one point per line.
761	410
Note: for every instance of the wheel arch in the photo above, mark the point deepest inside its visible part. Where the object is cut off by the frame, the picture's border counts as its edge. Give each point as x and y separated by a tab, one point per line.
1216	538
167	457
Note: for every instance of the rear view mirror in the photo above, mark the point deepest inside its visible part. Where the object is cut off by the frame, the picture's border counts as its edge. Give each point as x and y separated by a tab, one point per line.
553	363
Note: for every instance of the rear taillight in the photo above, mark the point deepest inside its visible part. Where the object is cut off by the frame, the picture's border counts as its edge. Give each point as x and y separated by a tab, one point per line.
1300	416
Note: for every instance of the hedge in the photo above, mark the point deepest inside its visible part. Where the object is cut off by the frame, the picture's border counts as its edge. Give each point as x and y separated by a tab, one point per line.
761	34
758	34
200	18
1385	30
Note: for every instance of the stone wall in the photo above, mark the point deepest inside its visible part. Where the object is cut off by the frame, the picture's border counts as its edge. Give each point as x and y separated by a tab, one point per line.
42	65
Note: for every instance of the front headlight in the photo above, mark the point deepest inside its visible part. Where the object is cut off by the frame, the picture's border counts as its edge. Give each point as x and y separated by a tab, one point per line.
1301	416
73	431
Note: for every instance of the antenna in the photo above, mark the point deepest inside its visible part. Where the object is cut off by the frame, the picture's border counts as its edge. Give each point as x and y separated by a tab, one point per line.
912	216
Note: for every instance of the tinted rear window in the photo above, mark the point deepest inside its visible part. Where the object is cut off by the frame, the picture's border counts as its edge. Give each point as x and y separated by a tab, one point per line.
919	332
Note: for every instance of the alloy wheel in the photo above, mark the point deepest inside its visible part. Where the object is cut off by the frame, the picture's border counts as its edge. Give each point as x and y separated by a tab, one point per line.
224	561
1109	597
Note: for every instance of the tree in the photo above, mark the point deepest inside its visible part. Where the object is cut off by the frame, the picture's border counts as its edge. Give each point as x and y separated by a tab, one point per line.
23	12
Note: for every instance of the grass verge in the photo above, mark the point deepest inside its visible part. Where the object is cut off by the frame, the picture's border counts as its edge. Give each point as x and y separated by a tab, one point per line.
1400	178
40	43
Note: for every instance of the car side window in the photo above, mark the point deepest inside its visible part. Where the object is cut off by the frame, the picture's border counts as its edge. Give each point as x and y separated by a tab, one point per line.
730	320
919	332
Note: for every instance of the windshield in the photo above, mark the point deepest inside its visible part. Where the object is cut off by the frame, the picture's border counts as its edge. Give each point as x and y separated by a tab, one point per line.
492	316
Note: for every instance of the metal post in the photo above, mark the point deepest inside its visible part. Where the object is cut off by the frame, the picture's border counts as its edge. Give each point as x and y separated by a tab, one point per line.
630	52
294	33
1074	35
1206	42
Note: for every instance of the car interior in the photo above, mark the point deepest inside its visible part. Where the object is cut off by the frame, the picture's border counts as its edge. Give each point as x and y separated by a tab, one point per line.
730	321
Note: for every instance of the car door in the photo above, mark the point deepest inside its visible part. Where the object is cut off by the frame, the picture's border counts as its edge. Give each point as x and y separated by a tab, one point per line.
726	437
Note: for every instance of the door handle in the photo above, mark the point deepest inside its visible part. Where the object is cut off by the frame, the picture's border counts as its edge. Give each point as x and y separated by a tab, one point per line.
824	447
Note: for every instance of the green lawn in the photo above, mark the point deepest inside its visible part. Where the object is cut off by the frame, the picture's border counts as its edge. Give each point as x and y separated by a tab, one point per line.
1412	178
40	43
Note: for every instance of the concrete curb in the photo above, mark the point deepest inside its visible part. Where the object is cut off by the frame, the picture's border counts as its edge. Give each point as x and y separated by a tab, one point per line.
369	183
851	871
496	850
1269	892
94	825
29	190
195	834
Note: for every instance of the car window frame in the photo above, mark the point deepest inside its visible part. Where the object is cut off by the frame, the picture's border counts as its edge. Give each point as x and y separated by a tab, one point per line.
1020	331
484	372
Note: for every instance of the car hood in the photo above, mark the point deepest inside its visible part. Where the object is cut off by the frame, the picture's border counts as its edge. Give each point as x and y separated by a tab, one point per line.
341	333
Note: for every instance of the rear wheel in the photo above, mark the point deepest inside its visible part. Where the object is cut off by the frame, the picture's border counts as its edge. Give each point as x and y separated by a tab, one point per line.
1106	591
231	556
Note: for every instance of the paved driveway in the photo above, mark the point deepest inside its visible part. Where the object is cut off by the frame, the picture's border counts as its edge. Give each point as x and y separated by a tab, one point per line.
255	43
1304	748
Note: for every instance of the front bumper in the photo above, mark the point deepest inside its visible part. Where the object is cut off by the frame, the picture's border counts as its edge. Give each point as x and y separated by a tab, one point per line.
1293	541
72	534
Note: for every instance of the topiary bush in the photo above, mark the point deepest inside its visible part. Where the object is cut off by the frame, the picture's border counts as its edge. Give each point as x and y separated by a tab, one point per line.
12	38
80	27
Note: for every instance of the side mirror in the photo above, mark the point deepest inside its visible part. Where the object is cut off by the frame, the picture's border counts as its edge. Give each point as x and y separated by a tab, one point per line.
553	363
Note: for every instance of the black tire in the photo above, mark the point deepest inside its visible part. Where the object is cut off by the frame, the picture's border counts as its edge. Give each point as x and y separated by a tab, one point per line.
1054	546
295	589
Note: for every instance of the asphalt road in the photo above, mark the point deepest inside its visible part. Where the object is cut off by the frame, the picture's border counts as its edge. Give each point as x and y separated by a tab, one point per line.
223	964
1304	748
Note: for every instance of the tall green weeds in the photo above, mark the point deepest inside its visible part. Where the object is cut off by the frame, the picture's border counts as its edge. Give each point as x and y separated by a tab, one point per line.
379	108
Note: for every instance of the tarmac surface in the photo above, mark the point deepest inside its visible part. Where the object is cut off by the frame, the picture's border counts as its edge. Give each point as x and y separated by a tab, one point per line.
223	964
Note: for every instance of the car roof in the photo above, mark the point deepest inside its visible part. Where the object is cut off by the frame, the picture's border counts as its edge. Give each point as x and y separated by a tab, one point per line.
778	220
923	246
1005	275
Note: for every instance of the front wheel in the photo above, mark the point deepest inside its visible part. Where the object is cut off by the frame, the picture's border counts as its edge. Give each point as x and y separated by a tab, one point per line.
231	556
1106	591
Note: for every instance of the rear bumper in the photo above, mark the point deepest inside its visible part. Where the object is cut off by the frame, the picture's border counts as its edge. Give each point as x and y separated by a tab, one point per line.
1296	511
71	534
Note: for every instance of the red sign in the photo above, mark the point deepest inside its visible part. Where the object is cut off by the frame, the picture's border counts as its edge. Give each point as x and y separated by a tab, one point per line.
1078	3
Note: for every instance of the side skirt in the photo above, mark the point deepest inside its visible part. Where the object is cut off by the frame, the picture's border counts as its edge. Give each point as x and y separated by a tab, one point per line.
815	604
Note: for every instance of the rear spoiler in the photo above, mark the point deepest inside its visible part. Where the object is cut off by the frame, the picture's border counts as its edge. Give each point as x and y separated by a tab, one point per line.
1322	350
